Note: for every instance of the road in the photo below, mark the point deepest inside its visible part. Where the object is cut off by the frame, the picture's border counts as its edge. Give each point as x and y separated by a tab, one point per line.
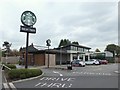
0	76
101	76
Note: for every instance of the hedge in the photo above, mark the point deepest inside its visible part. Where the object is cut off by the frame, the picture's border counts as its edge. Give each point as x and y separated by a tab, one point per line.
12	66
23	73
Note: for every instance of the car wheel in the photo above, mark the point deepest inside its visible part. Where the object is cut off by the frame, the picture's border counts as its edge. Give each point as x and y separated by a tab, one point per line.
80	65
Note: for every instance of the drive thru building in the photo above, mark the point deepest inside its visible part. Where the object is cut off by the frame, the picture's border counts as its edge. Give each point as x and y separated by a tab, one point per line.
71	52
56	56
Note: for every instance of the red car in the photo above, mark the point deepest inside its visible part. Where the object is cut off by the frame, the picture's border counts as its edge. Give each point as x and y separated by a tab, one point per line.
103	61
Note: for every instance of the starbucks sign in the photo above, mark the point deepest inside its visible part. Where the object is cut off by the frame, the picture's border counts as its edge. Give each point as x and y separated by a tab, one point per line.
28	18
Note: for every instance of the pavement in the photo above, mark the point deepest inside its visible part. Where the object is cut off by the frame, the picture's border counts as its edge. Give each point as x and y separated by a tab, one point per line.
64	67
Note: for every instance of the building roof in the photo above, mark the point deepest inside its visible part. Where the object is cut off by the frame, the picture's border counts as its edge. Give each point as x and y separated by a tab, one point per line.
75	46
31	48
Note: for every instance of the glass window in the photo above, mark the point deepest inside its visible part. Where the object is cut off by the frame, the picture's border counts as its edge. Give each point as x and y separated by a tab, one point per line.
80	49
72	48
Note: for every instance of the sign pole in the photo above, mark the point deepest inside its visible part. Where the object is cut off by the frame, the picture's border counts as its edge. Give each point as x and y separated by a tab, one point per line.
28	19
27	39
48	44
48	57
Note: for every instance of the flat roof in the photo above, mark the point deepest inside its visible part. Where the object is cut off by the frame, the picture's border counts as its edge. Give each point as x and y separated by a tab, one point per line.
74	45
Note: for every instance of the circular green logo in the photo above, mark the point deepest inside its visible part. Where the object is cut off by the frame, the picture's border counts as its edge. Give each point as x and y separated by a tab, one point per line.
28	18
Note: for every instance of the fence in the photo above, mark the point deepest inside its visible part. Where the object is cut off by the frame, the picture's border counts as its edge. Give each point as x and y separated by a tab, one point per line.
11	60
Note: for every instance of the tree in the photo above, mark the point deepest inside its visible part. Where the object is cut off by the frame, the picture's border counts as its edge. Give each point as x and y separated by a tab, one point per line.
64	42
61	43
97	50
14	52
76	43
7	46
115	49
0	53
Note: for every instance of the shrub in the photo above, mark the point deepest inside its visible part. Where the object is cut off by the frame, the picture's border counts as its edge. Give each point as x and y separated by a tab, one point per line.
22	76
14	74
12	66
23	73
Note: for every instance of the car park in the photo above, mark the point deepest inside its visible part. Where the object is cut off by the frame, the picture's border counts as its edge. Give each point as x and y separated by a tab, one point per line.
78	62
92	62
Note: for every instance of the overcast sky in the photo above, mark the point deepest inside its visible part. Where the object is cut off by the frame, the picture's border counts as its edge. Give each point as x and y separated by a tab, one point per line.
91	23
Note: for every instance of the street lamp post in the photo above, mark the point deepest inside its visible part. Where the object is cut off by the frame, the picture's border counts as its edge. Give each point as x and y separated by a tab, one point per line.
48	44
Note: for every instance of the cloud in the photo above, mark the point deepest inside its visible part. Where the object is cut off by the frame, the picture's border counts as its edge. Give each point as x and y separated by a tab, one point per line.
92	24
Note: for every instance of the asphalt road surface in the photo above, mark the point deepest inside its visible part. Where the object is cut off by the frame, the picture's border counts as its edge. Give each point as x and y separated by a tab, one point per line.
100	76
0	76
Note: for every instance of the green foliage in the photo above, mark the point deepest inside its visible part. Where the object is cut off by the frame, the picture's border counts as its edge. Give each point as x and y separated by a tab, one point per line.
3	53
0	52
97	50
7	45
111	47
115	49
98	56
22	76
110	60
23	73
12	66
64	42
76	43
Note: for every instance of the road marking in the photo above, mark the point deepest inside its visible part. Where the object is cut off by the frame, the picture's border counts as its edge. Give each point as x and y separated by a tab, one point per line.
107	74
37	84
51	85
91	73
58	73
70	85
5	85
97	69
116	71
57	79
12	86
92	66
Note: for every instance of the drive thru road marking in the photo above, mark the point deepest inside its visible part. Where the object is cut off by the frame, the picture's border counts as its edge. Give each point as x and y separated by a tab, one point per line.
57	73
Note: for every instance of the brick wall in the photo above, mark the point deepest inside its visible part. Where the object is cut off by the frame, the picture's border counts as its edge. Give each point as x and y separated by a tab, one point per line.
39	59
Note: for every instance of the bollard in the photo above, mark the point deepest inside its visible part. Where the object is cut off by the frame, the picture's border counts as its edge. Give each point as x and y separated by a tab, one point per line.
69	67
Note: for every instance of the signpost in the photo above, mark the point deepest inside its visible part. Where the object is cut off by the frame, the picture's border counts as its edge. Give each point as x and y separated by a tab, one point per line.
28	19
48	44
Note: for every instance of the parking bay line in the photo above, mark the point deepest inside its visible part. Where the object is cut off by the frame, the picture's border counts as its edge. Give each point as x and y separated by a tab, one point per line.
90	73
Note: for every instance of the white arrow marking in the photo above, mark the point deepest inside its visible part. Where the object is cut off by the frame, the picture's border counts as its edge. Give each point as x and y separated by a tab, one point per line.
57	73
